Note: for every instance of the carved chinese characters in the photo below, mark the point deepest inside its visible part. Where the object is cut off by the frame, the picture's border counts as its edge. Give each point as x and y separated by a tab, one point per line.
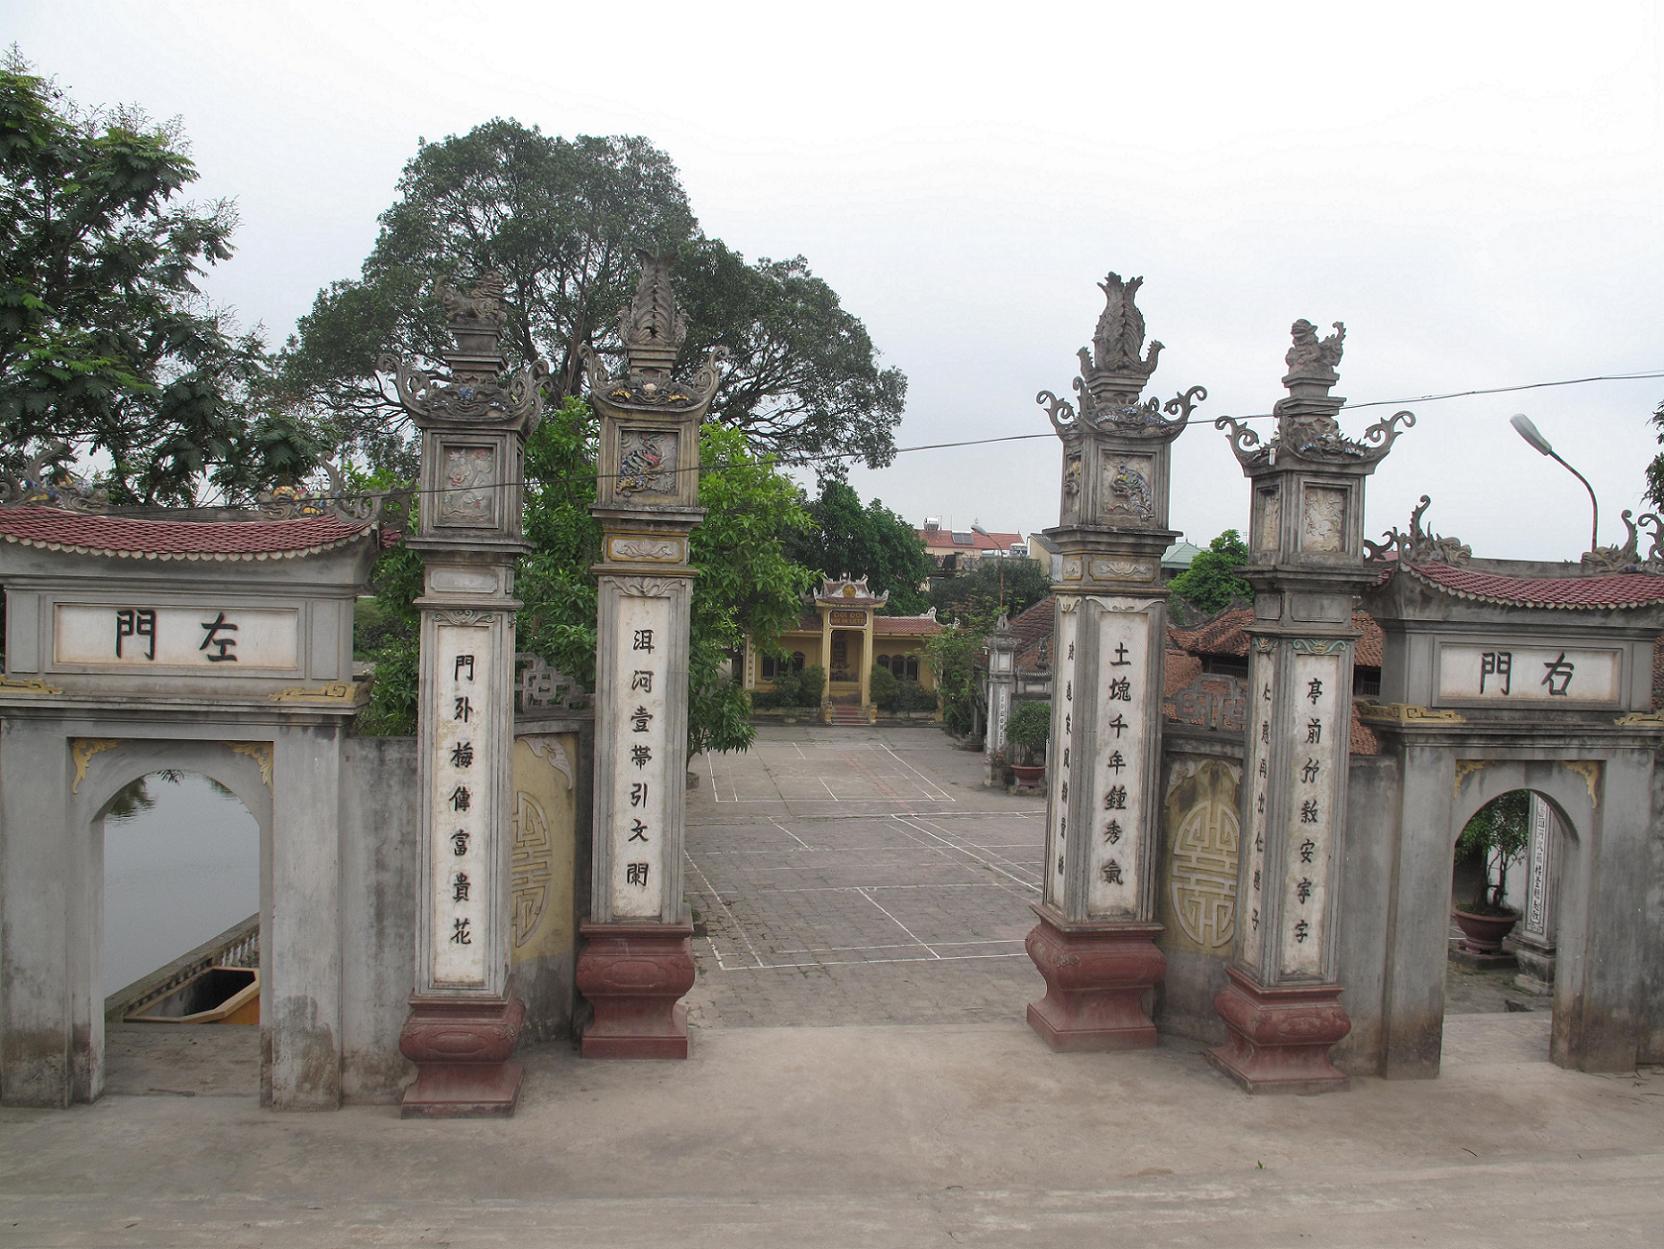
219	636
1121	798
1317	752
1057	772
1257	787
463	799
641	750
1500	672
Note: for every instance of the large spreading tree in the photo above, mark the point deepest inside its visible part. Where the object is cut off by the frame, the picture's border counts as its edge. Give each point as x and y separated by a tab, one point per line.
1212	582
107	344
563	221
871	542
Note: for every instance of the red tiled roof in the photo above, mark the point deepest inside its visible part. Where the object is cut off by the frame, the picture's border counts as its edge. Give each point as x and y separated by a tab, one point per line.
980	539
1226	634
1568	593
904	626
91	534
1177	671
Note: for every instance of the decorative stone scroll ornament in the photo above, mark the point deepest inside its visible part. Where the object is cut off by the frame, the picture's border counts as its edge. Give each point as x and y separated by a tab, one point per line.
1627	558
637	961
337	499
474	417
44	481
1420	546
1281	1004
1095	939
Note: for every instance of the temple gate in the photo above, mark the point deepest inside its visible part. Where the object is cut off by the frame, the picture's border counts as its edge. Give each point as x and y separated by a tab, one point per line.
133	645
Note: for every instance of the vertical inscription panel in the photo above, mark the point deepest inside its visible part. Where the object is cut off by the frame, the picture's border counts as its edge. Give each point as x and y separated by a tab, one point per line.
1317	749
461	798
639	740
1256	820
1121	801
1064	704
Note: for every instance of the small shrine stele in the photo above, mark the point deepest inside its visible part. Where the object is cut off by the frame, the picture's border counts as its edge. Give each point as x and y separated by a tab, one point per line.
637	959
1281	1002
1095	940
474	419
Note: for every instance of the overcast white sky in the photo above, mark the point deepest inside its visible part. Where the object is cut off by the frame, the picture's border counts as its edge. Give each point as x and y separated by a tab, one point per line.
1476	190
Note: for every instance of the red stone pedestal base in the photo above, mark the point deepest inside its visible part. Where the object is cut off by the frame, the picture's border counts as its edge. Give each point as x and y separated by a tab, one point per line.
1096	978
634	975
461	1047
1280	1038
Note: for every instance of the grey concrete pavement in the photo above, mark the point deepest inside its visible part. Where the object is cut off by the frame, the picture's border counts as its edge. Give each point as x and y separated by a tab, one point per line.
896	1136
931	1115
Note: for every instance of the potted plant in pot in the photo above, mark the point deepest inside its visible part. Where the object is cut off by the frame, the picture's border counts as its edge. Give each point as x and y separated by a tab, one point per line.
1027	731
1497	833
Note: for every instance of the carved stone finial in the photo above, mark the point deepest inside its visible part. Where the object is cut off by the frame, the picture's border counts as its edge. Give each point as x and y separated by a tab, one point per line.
1627	557
653	330
482	304
652	327
1113	371
1113	374
1311	359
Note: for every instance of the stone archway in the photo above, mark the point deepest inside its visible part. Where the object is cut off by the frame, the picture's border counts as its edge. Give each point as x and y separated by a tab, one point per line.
105	767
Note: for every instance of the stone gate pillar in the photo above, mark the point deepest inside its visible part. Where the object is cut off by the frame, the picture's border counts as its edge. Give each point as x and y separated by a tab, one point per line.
1532	942
637	960
1002	681
1095	942
1281	1003
464	1020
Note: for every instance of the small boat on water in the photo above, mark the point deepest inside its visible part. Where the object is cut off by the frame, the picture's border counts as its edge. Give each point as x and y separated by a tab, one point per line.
214	995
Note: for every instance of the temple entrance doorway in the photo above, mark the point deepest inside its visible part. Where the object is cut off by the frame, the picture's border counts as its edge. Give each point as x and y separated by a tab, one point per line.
1494	1010
180	949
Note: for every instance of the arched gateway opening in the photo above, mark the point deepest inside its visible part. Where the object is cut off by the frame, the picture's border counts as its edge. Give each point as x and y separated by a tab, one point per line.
179	949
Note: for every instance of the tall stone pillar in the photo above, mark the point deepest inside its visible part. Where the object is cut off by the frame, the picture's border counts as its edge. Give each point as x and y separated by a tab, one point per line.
464	1020
637	958
1095	942
1532	941
1002	681
1281	1003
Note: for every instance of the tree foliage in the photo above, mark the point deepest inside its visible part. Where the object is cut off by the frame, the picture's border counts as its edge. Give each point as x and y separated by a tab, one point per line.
562	221
745	584
953	658
106	341
1211	583
870	541
1497	833
977	597
1029	728
1655	469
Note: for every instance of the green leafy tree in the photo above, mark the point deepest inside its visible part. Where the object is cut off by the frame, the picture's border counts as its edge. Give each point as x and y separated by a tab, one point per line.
1211	583
870	541
977	597
1655	470
953	658
745	582
1497	834
106	342
562	221
1029	729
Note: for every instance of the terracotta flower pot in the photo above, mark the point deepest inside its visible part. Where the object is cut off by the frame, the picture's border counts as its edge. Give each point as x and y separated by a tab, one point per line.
1483	934
1026	774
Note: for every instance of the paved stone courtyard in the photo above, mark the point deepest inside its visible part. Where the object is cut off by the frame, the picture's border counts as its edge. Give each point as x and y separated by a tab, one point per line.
865	876
859	876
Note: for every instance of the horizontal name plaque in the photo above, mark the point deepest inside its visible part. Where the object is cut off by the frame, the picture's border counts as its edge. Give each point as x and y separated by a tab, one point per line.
206	638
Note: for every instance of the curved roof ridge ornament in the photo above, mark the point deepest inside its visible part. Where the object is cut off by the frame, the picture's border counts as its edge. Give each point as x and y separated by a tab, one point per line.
1418	546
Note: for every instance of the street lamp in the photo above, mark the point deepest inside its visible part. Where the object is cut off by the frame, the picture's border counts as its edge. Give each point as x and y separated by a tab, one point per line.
1526	430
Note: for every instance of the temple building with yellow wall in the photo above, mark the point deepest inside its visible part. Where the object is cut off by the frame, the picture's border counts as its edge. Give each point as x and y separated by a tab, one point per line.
844	631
